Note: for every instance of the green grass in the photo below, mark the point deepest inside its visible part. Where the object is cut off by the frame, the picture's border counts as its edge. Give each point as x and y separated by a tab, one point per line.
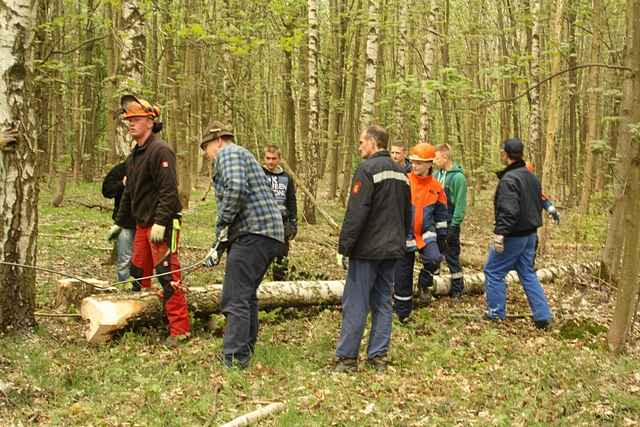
445	370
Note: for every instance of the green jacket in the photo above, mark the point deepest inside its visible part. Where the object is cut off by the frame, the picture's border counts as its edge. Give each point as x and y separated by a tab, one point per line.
455	185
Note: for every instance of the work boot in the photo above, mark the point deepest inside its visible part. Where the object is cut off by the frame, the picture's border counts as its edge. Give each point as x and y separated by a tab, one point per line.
425	297
174	341
346	364
489	318
543	324
404	319
379	363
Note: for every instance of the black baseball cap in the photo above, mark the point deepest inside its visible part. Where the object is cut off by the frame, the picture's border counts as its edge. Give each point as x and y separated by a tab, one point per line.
513	146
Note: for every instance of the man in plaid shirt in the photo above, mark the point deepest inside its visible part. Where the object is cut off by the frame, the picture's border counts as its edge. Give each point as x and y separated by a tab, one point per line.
249	226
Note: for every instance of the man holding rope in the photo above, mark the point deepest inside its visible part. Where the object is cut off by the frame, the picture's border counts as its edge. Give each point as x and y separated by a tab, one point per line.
151	197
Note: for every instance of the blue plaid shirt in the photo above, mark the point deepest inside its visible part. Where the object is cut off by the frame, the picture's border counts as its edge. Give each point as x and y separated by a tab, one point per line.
245	201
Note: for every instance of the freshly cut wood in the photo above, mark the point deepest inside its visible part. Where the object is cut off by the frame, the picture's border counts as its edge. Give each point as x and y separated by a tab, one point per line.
258	414
107	314
71	292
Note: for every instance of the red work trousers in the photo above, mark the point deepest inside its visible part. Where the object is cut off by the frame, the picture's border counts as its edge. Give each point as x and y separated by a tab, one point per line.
148	256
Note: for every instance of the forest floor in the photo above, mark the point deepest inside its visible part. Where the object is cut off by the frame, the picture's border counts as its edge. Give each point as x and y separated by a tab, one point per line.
447	368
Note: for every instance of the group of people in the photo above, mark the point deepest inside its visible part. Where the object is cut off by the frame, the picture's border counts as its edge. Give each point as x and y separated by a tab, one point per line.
399	207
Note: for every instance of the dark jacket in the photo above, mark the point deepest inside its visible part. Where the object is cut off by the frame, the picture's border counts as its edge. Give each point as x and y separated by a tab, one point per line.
284	191
112	188
517	202
151	193
378	216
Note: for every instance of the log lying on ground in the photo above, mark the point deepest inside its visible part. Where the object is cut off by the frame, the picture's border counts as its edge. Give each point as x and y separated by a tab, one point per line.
107	314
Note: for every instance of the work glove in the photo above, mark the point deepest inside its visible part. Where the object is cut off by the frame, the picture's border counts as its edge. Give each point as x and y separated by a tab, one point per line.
290	230
443	245
553	213
411	245
498	243
157	233
217	249
342	261
113	232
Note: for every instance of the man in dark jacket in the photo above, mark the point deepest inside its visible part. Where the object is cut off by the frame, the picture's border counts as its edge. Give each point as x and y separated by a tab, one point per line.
112	188
518	207
373	235
284	191
151	197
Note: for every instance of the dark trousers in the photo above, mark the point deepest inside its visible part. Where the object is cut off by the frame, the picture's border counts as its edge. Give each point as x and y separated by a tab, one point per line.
247	262
403	277
280	267
368	288
453	260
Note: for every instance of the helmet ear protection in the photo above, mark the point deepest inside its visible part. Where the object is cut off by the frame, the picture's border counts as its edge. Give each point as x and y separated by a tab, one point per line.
135	107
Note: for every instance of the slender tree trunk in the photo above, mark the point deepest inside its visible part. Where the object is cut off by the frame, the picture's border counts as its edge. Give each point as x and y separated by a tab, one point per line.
572	61
429	58
368	94
111	84
289	115
399	105
535	119
18	176
338	20
312	149
592	107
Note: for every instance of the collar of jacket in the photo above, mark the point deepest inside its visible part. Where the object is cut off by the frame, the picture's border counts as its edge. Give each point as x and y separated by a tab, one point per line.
277	171
512	166
140	148
380	153
423	180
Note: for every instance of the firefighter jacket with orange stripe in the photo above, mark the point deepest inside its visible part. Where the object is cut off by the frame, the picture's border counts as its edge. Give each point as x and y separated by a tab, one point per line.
378	214
429	211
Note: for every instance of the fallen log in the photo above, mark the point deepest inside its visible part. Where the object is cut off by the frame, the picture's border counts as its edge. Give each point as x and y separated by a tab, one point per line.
255	416
70	292
107	314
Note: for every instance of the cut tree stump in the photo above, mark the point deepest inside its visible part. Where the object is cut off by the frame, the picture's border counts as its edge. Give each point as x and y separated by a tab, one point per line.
107	314
71	292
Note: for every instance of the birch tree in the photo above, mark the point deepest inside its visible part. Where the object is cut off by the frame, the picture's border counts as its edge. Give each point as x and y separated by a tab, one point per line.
312	149
535	123
18	184
369	91
429	57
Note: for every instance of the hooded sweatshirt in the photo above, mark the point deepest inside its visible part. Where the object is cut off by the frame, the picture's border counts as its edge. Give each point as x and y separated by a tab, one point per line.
455	186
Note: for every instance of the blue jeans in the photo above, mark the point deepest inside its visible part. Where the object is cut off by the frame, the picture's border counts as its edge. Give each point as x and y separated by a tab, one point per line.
369	286
519	253
124	246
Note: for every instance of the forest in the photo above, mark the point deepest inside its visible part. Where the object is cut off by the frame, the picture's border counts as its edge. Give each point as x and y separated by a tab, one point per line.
308	76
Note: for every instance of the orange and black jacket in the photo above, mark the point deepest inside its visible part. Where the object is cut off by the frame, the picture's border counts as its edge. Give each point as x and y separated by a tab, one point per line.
429	211
151	193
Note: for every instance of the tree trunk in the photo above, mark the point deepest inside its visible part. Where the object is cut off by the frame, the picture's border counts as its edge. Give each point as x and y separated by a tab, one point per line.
369	92
312	147
289	115
339	29
593	89
427	72
400	77
111	85
535	119
18	177
107	314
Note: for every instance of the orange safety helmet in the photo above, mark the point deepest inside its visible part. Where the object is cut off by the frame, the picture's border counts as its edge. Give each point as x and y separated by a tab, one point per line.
423	152
136	107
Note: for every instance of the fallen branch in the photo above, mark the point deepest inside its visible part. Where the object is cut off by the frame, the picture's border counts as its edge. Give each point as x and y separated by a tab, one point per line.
109	313
258	414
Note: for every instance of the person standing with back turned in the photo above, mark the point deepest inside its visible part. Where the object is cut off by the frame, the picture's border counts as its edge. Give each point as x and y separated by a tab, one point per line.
518	214
373	235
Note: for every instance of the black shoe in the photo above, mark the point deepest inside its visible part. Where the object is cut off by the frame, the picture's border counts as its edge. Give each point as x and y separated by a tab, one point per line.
425	297
404	319
543	324
379	363
489	318
346	364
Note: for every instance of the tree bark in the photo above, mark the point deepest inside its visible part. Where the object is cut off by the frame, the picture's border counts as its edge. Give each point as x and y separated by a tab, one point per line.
427	72
369	92
535	119
592	121
18	175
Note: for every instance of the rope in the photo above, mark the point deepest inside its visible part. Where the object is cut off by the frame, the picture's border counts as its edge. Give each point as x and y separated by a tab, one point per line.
187	270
